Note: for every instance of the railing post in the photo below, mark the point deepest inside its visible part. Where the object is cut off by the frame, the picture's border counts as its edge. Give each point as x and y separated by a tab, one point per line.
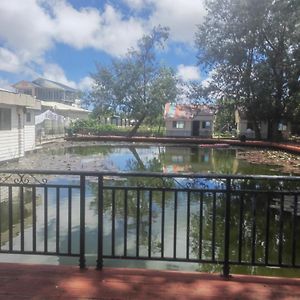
100	223
82	222
226	267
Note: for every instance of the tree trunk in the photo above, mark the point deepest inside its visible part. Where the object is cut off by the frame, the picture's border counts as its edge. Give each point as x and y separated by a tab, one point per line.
257	131
136	126
137	157
273	133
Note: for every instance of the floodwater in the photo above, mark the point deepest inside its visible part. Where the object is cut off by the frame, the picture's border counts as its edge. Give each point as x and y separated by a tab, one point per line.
143	158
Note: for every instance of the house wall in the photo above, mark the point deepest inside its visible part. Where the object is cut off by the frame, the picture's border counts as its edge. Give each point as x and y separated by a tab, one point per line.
12	141
242	129
29	131
187	130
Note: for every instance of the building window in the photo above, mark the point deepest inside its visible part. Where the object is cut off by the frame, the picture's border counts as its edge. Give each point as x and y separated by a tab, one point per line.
5	119
28	117
178	124
206	125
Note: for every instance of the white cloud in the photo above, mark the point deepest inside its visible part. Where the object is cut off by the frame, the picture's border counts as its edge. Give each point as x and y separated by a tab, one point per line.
4	84
188	73
136	4
88	27
181	16
86	83
56	73
29	29
9	61
25	28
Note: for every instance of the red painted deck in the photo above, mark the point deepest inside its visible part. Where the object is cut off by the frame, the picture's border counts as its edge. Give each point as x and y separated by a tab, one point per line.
63	282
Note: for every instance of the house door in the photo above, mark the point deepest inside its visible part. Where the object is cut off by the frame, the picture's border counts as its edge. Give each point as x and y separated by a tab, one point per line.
195	128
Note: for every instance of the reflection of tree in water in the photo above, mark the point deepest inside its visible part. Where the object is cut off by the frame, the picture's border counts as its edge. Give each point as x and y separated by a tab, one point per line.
138	216
15	214
244	209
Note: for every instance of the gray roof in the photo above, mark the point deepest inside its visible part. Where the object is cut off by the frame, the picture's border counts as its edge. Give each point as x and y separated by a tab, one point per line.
46	83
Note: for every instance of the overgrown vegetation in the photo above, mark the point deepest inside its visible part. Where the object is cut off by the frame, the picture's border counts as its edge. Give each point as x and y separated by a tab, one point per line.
94	127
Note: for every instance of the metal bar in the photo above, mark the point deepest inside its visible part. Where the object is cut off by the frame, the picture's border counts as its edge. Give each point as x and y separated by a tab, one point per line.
267	232
188	212
1	225
280	246
22	217
150	225
175	224
253	230
294	230
33	201
113	223
125	221
163	207
82	223
69	220
138	223
150	174
241	226
213	240
57	218
10	218
45	219
201	226
226	267
100	223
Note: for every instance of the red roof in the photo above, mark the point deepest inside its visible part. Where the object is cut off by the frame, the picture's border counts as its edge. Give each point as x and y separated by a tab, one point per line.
185	111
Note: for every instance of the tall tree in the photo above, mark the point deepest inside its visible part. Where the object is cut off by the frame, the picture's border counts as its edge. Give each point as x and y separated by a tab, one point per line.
252	49
137	84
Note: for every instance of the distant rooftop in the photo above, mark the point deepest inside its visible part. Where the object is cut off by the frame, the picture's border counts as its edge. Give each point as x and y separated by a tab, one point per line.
5	90
61	106
44	83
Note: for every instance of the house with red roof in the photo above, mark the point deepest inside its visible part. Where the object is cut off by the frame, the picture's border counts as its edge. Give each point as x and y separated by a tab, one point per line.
188	120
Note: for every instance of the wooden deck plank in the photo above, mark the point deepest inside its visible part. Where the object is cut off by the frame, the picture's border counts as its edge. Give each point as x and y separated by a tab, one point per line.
20	281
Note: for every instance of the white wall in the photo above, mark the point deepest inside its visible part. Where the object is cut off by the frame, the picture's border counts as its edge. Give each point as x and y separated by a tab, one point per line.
187	130
29	132
12	141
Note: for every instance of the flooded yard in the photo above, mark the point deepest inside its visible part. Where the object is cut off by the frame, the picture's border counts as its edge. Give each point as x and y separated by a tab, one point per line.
157	158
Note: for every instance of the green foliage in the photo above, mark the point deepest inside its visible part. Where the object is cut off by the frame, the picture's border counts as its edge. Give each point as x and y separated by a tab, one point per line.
136	85
94	127
252	49
225	115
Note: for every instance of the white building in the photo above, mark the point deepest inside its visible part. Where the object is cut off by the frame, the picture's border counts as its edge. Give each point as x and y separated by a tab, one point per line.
188	120
17	128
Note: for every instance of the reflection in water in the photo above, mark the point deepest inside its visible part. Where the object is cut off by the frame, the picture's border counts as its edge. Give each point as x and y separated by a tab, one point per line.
166	159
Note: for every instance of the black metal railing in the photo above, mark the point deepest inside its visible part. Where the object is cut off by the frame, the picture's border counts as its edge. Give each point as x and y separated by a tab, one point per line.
216	219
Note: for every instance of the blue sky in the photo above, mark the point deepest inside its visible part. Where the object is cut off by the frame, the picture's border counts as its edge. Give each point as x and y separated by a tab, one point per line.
62	39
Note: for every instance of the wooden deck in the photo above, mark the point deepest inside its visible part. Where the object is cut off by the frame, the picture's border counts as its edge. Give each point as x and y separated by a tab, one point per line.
20	281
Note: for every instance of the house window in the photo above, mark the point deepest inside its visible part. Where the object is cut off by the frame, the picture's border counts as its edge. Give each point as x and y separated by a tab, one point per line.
178	124
28	117
5	119
206	125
